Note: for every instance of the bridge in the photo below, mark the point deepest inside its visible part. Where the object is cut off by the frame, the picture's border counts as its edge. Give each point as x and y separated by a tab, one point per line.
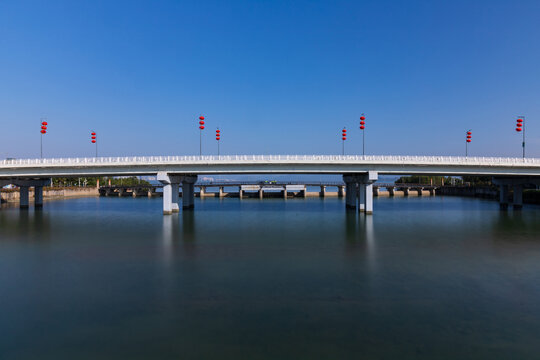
359	172
259	188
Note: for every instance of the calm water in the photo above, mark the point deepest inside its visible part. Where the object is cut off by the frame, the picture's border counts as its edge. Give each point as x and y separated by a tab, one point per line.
423	278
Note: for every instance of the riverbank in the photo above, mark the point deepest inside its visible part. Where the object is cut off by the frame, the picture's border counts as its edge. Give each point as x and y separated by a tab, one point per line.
50	193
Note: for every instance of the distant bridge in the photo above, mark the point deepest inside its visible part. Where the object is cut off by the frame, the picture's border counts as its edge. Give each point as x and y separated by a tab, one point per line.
359	172
246	188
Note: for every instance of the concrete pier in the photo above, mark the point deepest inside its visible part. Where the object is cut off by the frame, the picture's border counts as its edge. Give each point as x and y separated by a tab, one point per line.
24	201
517	201
188	191
38	197
322	193
351	185
361	198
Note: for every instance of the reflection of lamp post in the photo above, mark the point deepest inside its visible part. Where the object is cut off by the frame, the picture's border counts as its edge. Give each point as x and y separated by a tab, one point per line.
201	128
343	138
362	127
520	127
94	141
467	141
43	132
217	139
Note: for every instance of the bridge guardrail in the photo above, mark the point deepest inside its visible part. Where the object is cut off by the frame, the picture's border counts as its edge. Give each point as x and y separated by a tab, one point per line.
390	159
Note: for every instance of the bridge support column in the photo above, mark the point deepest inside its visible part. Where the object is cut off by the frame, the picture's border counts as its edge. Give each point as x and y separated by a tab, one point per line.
503	197
390	191
351	182
24	197
167	199
375	191
340	191
221	192
518	197
432	192
175	189
261	193
369	199
405	191
366	195
202	191
361	197
170	191
240	192
322	193
38	197
285	192
188	191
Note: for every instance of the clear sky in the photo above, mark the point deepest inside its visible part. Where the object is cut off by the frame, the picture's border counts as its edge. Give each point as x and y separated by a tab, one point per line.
277	77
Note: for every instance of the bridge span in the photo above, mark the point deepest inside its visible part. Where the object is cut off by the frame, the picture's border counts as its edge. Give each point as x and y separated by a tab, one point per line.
359	172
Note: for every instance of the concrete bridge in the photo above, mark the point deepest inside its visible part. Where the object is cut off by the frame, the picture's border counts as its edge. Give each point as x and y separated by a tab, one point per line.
359	172
259	189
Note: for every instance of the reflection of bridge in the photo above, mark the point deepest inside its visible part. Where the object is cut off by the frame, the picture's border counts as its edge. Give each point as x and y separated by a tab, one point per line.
359	172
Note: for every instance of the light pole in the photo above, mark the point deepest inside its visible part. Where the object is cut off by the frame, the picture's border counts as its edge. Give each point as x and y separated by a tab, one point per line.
363	127
43	132
201	128
467	141
343	138
94	141
218	137
520	127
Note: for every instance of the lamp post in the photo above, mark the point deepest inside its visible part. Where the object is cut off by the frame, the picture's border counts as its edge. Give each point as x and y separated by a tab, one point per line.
343	138
363	127
520	127
201	128
94	141
467	141
43	132
218	137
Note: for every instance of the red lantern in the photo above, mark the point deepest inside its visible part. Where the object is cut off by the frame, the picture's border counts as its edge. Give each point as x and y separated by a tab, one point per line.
93	138
518	129
468	140
362	127
201	127
218	131
362	123
344	138
43	131
201	122
44	123
362	118
519	125
519	120
201	117
469	136
93	134
43	128
469	133
217	138
93	141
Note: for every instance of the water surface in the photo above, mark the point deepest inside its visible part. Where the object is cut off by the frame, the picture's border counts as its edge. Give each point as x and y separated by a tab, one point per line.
423	278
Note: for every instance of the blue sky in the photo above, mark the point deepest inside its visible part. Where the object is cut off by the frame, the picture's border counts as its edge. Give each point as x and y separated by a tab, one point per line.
277	77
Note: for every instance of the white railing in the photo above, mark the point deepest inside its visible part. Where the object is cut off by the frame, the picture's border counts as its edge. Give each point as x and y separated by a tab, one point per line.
211	159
